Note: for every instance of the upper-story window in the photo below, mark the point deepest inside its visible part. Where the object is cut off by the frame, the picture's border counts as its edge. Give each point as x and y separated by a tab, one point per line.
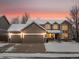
55	26
48	26
64	27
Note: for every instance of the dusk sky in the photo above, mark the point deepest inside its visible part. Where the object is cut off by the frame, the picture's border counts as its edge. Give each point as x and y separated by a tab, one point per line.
36	8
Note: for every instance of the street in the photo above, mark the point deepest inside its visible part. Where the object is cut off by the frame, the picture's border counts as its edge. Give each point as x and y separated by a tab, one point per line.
40	58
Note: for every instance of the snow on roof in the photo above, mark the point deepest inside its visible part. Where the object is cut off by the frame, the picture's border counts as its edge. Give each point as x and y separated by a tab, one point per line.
60	21
16	27
19	27
32	21
40	21
55	31
51	21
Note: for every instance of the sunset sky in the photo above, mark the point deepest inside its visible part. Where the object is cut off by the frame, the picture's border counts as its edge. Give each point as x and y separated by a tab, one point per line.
36	8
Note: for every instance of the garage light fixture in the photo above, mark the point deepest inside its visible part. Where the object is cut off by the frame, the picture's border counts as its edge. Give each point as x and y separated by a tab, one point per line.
22	34
44	33
10	34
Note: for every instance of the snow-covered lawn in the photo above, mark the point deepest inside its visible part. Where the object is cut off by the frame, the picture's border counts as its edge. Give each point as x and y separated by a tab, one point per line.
3	44
11	48
62	47
50	47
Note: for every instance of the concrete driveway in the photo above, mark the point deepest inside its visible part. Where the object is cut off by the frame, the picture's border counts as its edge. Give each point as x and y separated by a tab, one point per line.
5	46
27	48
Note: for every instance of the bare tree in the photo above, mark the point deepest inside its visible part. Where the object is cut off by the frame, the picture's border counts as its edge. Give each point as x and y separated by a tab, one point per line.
74	14
24	18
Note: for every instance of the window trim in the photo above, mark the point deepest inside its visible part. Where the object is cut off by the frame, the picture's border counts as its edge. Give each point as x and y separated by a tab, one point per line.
48	25
57	26
63	26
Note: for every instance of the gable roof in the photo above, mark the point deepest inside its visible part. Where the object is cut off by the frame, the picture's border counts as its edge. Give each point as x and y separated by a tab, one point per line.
66	21
4	17
4	24
42	22
56	21
16	27
35	24
19	27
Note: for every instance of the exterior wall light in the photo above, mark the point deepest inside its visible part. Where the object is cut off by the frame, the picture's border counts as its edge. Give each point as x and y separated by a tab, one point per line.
10	34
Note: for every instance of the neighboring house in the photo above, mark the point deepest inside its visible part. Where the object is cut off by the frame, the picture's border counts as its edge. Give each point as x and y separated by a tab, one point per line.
39	30
4	25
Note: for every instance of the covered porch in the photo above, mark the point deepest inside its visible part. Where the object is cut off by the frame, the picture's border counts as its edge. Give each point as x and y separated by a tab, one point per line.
54	35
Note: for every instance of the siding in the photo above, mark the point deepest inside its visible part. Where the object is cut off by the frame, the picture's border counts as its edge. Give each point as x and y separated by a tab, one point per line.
4	25
33	28
33	39
69	29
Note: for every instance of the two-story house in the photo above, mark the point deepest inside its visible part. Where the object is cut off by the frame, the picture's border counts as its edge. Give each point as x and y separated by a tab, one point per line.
40	30
58	29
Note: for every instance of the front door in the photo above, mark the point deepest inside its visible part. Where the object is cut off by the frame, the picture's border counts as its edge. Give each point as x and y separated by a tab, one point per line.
56	36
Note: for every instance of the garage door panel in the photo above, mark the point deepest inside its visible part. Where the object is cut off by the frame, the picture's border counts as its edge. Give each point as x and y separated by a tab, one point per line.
33	39
16	39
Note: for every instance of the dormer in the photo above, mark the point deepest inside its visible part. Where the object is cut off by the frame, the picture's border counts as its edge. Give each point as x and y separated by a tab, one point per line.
65	25
55	26
47	26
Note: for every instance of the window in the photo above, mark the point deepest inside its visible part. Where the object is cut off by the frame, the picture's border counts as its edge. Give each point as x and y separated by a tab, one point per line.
48	26
55	26
53	35
64	35
64	27
49	35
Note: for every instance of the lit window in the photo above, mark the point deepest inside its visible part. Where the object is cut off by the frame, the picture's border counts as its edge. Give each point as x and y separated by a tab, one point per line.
64	35
55	26
53	35
47	26
64	27
48	35
11	34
